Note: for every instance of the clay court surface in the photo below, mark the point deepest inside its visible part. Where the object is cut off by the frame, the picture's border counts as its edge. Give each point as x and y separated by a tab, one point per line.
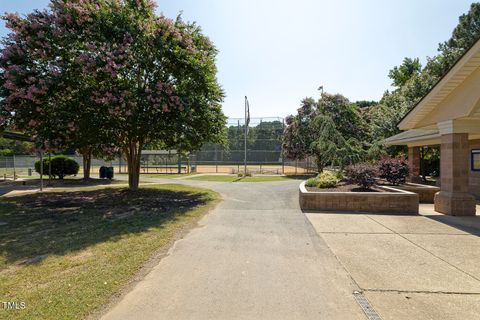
224	168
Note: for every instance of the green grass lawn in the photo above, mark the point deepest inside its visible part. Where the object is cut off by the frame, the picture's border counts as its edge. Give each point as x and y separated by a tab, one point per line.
160	175
66	252
219	178
165	175
235	178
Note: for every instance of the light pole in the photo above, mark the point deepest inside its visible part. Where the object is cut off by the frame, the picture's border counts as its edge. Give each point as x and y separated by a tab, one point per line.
247	122
321	90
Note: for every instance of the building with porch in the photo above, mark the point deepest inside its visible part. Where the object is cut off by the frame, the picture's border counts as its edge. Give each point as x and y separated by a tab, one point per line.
449	116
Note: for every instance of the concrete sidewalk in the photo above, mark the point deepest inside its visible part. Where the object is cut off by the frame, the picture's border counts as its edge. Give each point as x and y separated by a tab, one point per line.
255	256
409	267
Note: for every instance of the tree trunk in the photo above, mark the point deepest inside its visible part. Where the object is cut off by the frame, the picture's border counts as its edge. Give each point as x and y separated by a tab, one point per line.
133	154
319	165
87	164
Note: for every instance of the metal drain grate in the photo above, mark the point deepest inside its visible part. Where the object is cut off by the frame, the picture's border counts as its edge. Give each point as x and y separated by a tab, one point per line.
366	306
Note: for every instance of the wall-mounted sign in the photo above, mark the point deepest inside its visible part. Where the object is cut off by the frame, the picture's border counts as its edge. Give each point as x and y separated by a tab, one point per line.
476	160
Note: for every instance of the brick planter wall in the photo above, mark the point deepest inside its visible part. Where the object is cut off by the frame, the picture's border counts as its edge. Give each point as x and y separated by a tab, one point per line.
426	193
394	201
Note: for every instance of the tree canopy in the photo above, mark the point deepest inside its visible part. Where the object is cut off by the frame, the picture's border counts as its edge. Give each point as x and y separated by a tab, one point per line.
411	81
110	75
328	130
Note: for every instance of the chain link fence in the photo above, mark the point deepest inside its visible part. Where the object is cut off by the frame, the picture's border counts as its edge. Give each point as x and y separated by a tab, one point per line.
23	166
263	141
263	144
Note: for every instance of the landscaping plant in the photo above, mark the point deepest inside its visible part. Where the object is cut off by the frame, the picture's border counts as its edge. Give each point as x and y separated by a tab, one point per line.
312	182
58	166
326	179
240	175
362	174
394	170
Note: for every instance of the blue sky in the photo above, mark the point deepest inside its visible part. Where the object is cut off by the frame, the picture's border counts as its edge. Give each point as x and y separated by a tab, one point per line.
280	51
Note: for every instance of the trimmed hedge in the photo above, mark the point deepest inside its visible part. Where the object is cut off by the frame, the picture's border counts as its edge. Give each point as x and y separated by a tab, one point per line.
61	166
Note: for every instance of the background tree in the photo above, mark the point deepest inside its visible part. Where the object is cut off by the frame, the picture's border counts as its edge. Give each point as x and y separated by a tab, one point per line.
407	70
429	162
329	146
411	82
326	130
11	147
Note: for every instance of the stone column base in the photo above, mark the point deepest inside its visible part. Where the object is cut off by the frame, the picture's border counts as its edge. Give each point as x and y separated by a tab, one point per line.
455	203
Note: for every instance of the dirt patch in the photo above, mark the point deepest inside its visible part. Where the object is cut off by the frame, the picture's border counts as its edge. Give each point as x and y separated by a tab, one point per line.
63	222
57	183
344	186
82	256
113	203
35	259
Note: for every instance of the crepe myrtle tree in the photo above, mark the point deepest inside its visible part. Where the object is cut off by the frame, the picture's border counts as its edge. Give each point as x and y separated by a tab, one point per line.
293	146
89	72
155	79
42	91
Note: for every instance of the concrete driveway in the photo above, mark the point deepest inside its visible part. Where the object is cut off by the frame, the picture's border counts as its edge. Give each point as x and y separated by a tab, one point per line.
256	256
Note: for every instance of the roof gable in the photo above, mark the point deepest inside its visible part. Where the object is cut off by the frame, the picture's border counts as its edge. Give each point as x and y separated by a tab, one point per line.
467	65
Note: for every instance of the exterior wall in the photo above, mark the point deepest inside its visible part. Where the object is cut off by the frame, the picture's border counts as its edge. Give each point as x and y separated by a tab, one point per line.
392	202
474	177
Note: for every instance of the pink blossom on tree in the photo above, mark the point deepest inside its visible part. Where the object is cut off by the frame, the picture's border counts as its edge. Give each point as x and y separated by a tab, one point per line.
90	71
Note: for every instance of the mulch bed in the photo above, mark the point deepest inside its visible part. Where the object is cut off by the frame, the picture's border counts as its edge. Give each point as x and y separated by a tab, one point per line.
344	186
57	183
113	203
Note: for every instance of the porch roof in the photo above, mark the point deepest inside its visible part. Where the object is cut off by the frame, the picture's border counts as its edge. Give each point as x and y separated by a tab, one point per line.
415	137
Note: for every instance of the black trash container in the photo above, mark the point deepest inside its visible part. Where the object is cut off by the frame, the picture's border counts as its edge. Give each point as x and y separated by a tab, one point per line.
109	173
103	172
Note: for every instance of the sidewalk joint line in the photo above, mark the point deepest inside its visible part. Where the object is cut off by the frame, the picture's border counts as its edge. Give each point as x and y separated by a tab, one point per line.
422	291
